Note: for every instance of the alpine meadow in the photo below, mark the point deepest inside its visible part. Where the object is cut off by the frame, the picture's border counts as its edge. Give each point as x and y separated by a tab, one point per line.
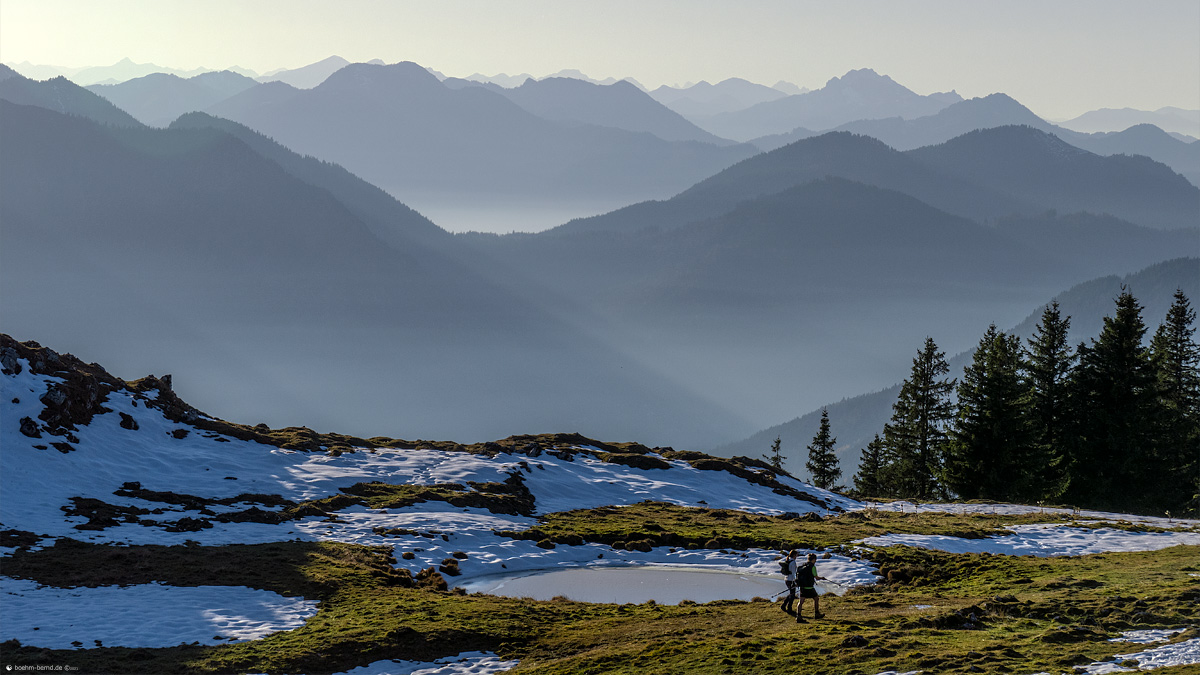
670	338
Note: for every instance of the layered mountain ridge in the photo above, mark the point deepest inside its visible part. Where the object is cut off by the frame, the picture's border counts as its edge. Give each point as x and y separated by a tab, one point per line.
691	320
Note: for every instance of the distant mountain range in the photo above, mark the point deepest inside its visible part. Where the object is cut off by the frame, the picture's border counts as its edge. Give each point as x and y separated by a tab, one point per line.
123	70
862	100
804	282
402	129
619	105
187	244
61	95
1169	119
1043	169
307	77
977	176
770	284
1001	110
159	98
705	100
859	94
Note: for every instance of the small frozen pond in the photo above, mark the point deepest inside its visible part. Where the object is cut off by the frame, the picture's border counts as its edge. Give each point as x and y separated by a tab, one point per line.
666	585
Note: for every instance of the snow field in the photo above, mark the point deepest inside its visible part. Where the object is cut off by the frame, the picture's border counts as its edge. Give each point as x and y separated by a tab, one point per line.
39	482
145	615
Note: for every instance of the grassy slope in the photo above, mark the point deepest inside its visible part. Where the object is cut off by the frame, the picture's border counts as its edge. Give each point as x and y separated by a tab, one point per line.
1060	611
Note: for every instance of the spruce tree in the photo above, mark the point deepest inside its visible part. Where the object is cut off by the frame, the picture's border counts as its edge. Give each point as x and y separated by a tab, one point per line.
775	457
990	453
1115	416
1048	364
822	463
1176	359
870	465
915	438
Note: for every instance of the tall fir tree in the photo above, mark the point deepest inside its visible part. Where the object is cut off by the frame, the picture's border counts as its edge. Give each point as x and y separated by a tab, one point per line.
1115	416
775	456
1176	359
870	468
991	450
915	438
822	463
1048	364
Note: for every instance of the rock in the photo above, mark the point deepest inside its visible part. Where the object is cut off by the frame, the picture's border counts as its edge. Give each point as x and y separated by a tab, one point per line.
9	361
30	428
855	641
54	396
127	422
188	524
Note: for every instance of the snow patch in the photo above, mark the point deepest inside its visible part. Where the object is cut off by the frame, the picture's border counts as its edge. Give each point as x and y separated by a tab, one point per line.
1148	636
145	615
467	663
1044	541
1178	654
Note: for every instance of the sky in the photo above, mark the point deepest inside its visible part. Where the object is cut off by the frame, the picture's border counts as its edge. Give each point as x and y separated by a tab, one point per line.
1060	58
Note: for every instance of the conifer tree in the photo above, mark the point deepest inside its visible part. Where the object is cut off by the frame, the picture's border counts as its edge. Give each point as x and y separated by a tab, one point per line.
1176	359
1115	416
870	466
990	453
822	463
914	440
775	457
1048	365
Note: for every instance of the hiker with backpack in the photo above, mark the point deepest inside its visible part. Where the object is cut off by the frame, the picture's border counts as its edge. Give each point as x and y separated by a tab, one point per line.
787	565
806	581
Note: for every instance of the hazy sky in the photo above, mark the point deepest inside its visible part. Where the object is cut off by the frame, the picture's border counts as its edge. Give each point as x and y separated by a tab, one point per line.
1059	57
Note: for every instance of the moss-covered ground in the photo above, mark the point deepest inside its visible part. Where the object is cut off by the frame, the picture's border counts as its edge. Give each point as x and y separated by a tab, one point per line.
663	524
940	613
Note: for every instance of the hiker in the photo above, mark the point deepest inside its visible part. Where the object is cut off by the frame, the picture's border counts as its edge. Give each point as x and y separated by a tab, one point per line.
788	567
806	581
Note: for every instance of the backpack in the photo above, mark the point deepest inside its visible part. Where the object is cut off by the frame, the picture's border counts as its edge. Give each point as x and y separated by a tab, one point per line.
806	575
785	567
